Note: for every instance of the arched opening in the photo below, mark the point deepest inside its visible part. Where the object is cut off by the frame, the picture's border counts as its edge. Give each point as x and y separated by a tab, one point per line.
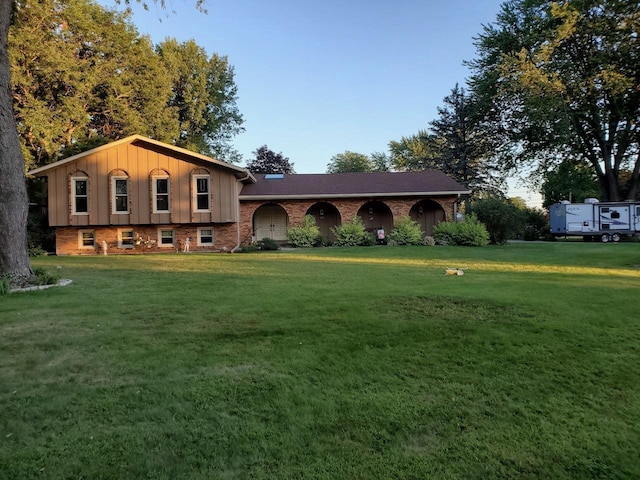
327	217
428	214
270	221
376	215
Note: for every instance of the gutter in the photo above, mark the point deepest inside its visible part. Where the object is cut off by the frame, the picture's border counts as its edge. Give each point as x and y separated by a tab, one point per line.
353	195
238	223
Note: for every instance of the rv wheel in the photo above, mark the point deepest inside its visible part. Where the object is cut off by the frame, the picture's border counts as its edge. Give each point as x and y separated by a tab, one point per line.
615	237
605	238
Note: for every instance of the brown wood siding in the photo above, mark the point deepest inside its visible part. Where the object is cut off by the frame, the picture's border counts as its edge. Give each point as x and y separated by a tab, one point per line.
138	163
181	181
224	197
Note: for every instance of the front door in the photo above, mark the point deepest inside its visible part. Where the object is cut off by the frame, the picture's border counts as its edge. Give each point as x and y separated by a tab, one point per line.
270	221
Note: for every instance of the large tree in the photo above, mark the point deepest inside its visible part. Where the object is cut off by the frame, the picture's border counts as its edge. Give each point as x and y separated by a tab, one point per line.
570	180
81	72
350	162
420	151
562	80
14	258
204	94
456	143
267	161
461	141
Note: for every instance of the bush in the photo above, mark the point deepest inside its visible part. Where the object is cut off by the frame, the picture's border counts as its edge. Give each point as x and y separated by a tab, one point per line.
406	232
305	235
37	252
502	219
268	244
352	234
471	233
5	285
264	244
44	277
429	241
536	224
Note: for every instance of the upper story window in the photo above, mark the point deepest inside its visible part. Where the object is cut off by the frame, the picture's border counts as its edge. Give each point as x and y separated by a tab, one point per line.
120	194
201	192
160	186
80	195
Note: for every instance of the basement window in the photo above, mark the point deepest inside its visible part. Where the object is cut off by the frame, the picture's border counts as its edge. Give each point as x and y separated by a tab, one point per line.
165	238
87	239
125	238
205	236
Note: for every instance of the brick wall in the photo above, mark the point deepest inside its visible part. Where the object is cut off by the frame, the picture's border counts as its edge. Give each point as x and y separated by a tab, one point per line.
68	240
348	208
226	235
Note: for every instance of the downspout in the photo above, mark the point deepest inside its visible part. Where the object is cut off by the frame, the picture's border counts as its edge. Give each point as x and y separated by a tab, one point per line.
238	223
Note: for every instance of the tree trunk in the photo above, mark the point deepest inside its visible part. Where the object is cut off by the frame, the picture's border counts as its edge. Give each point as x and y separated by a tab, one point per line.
14	203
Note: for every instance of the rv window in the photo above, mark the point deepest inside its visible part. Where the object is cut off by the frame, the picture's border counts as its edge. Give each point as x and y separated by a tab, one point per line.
604	210
615	214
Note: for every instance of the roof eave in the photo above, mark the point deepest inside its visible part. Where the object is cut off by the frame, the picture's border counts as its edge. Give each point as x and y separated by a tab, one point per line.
353	195
246	174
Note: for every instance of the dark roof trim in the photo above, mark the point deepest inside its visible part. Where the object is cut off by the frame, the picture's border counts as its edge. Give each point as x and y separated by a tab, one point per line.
353	195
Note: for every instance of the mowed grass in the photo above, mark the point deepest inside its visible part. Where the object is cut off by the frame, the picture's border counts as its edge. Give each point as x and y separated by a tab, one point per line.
365	363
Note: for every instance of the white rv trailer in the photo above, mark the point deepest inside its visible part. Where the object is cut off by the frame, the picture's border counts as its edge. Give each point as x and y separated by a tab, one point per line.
594	220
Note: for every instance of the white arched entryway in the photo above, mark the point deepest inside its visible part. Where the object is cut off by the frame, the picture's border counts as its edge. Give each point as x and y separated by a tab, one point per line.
270	221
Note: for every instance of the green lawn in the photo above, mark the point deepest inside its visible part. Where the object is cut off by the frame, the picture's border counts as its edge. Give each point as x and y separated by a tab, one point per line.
366	363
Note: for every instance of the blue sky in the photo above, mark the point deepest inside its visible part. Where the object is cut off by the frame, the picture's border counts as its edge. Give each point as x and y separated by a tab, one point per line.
318	78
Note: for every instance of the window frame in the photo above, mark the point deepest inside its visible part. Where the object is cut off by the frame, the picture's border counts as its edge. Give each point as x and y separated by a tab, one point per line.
205	244
115	195
75	196
197	195
81	244
155	194
121	243
160	237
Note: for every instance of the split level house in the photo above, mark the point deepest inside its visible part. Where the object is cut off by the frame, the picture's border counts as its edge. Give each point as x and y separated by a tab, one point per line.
140	195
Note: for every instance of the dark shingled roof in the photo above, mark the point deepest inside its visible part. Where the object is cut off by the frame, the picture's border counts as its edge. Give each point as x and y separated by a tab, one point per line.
428	182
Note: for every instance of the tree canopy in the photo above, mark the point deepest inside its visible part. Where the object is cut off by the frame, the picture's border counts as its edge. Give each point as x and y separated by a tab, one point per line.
455	143
561	81
267	161
204	94
570	180
349	162
82	75
80	71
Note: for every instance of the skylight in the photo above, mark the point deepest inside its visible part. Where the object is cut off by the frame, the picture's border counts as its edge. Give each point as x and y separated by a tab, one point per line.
274	176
